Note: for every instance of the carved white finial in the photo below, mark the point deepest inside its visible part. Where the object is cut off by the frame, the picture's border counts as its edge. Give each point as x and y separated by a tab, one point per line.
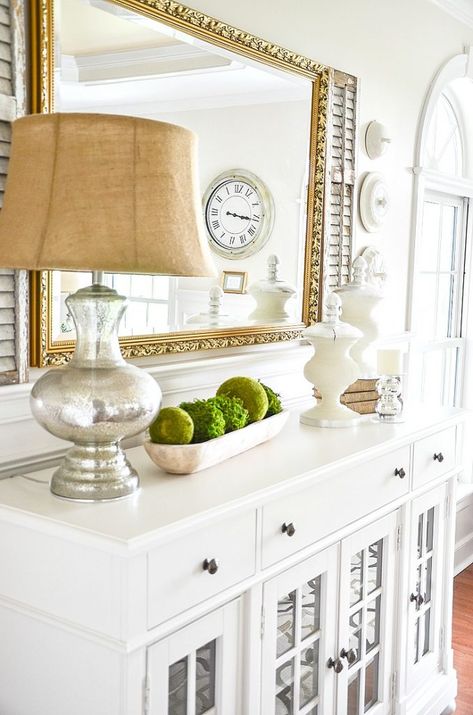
215	300
359	270
273	267
333	308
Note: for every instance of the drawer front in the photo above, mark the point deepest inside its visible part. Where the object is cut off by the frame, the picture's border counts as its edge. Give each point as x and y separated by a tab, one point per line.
331	504
177	579
434	456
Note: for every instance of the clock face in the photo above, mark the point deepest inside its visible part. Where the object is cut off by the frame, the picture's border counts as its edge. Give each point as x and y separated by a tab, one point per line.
238	214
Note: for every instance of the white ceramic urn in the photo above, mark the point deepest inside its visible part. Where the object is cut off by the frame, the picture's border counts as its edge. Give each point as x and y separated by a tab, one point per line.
360	301
271	295
332	369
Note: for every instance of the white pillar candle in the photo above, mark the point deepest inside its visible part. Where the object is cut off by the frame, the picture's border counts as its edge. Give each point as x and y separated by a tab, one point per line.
390	362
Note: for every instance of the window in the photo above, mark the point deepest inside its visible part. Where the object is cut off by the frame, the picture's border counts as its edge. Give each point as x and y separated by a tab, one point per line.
438	298
444	148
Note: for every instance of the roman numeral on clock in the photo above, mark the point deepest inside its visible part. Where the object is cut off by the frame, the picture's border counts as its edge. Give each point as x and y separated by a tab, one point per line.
248	192
232	240
252	230
214	212
219	199
242	239
238	188
215	224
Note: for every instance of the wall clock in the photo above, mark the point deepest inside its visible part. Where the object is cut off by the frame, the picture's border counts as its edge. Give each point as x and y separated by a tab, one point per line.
239	214
374	201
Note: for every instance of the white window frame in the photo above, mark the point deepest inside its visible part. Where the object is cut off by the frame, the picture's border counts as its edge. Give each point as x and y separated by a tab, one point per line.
427	180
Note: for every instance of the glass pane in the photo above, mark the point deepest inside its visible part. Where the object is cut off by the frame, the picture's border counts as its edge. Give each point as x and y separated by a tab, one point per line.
416	641
314	711
419	583
355	634
445	317
285	689
420	532
430	528
356	578
430	237
426	283
373	619
447	246
433	378
353	694
286	619
426	647
177	684
309	674
375	565
428	580
310	618
205	678
371	683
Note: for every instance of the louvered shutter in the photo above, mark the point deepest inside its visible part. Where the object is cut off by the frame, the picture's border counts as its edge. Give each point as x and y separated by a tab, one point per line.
339	217
13	284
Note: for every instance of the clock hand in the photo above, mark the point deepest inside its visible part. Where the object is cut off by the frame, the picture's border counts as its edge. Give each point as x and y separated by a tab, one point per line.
247	218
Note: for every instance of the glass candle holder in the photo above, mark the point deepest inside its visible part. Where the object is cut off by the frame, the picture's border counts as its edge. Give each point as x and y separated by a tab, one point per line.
389	406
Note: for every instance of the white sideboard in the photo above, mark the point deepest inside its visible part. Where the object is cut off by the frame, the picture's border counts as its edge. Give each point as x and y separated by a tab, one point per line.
311	575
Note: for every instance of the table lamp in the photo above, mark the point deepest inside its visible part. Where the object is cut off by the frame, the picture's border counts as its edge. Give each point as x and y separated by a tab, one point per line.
101	193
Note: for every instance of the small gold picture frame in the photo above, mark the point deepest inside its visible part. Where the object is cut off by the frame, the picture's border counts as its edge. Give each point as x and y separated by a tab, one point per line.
234	281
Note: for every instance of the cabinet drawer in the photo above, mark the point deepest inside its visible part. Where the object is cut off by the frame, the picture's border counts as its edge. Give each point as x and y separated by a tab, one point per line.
434	456
332	503
177	579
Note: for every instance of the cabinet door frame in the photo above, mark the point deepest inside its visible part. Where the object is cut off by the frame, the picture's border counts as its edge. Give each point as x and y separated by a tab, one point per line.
324	563
222	625
386	529
431	662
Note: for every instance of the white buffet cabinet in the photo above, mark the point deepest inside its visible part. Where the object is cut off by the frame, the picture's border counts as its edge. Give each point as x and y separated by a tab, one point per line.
311	575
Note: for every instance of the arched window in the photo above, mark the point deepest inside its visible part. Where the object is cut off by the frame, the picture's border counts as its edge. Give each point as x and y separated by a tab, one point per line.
444	145
439	272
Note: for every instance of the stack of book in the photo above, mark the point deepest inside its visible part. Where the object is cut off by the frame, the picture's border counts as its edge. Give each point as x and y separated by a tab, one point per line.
360	397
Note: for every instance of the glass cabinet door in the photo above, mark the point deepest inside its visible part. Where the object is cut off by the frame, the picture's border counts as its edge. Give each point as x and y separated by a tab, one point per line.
425	585
299	626
367	582
195	670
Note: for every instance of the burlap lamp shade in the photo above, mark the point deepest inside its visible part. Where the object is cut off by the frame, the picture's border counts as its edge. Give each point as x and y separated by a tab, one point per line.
103	192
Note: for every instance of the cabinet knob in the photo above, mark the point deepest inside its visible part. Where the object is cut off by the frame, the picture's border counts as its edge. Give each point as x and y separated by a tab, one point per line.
210	565
351	655
337	664
439	456
417	599
288	529
400	472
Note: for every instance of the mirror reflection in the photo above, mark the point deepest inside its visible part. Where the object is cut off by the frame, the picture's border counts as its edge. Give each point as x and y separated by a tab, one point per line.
253	123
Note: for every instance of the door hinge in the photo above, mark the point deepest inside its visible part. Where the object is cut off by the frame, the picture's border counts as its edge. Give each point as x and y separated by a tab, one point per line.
393	685
262	622
398	537
146	692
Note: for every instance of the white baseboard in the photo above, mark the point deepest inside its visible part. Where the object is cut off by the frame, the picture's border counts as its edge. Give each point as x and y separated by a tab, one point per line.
464	534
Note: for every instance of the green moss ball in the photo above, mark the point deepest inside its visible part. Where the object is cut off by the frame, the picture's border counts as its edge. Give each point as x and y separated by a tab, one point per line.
208	420
172	426
274	401
250	392
234	412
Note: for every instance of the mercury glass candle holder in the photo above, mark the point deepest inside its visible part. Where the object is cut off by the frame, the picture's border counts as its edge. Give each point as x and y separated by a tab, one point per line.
389	406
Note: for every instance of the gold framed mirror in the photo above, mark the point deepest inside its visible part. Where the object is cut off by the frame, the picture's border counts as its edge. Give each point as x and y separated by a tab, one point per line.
169	40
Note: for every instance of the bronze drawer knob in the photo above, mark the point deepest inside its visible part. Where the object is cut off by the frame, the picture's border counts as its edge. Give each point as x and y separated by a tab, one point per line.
211	566
400	472
288	529
439	457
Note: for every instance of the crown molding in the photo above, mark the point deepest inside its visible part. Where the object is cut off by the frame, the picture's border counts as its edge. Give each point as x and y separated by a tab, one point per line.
461	10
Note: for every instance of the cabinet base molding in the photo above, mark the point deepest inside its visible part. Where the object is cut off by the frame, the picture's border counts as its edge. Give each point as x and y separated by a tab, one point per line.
434	698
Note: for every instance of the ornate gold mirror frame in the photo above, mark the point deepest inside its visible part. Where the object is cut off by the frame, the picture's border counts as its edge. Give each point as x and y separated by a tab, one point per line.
46	352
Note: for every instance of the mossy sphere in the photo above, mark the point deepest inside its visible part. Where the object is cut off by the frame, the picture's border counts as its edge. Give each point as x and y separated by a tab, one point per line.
250	392
172	426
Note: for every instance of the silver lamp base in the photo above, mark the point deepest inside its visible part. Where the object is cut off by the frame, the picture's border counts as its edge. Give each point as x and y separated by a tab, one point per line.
95	401
95	473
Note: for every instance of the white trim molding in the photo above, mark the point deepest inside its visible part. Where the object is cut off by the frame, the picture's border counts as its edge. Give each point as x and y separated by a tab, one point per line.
461	10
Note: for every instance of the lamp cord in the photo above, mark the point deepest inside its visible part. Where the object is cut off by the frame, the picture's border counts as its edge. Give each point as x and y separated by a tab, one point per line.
30	479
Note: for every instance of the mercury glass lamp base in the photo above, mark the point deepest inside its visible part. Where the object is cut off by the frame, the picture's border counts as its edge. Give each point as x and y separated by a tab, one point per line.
95	473
388	419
